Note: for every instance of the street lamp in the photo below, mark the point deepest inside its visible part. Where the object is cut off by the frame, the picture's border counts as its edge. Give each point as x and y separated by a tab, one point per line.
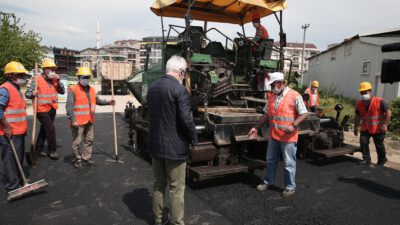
304	27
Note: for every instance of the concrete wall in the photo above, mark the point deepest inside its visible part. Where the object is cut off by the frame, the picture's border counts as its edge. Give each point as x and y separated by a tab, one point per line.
344	74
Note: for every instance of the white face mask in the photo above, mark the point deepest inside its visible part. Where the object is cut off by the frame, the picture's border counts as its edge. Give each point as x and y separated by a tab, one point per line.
51	74
276	90
365	97
181	82
84	82
20	82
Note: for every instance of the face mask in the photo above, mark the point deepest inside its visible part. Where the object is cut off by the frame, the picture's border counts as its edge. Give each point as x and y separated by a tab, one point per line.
20	82
365	97
181	82
51	74
276	90
84	82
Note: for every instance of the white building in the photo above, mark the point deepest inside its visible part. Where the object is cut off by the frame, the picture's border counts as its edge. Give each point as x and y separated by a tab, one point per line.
344	66
294	52
89	57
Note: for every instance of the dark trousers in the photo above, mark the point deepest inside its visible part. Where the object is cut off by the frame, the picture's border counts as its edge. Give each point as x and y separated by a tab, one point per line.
47	130
379	145
11	178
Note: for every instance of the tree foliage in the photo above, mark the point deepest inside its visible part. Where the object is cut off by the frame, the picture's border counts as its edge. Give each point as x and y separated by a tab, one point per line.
16	44
394	124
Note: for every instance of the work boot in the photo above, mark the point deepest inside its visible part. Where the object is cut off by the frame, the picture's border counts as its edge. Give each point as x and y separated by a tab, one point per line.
88	162
382	162
365	162
53	155
78	164
42	154
262	187
288	193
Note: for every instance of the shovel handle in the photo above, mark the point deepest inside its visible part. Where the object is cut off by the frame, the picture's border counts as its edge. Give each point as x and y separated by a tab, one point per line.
18	162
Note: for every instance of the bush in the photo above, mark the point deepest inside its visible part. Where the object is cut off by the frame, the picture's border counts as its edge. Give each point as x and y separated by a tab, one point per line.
394	123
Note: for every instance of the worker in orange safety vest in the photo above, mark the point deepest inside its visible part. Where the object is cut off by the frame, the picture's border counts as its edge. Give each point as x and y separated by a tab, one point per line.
312	92
48	88
260	37
13	123
285	110
373	114
81	105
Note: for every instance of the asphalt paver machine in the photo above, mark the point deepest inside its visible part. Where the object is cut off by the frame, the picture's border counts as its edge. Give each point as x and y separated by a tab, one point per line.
225	80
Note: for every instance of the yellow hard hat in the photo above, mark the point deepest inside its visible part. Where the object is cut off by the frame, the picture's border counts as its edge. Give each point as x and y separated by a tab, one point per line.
14	67
48	63
365	86
84	71
315	83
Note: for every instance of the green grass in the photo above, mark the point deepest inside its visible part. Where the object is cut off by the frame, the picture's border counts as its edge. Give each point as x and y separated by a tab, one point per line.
327	101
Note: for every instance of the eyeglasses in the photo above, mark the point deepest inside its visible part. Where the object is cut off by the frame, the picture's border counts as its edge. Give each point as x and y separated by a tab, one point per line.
183	72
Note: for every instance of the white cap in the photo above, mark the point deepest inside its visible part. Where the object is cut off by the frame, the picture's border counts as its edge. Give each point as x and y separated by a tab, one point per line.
275	77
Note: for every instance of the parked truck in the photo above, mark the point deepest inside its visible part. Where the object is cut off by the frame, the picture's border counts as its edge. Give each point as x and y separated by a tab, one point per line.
118	71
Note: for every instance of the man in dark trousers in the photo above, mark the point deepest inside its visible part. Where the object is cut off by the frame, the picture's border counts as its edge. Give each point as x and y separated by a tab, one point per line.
373	114
48	88
171	131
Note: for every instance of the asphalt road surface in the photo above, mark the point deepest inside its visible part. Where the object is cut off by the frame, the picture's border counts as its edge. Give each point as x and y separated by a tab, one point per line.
337	191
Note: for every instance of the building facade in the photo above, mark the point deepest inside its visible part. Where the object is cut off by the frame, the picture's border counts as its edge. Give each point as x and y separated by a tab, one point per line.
65	60
344	66
90	57
294	52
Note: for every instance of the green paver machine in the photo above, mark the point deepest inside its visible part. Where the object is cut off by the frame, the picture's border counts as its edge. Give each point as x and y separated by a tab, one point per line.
226	85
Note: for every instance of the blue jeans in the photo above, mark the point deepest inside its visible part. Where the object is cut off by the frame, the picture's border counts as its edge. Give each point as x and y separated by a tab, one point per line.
289	157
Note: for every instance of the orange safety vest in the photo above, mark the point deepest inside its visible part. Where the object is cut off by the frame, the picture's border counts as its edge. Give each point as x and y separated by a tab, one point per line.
283	116
15	111
48	95
310	102
83	109
374	118
261	32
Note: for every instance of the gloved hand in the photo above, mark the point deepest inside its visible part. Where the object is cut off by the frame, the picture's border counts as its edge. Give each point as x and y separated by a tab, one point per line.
355	131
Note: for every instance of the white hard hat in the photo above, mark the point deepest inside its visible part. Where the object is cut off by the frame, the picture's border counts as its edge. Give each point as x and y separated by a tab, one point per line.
276	76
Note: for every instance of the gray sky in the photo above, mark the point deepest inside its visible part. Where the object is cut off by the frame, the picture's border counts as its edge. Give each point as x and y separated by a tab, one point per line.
72	23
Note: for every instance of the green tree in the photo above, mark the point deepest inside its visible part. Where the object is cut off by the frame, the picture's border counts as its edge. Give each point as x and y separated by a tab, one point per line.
16	44
394	124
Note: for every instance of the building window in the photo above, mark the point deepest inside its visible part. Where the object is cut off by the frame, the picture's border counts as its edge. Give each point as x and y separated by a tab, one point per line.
366	67
333	55
347	49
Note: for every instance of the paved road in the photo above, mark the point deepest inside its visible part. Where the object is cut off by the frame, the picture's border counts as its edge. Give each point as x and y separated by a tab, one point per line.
329	192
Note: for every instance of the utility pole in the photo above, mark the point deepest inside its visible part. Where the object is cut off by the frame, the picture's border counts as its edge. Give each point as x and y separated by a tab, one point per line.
304	27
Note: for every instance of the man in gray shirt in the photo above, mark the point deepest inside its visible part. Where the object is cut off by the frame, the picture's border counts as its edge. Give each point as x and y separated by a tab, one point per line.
80	107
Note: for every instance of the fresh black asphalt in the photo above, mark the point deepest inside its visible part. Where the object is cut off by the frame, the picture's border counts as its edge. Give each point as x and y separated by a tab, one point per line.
336	191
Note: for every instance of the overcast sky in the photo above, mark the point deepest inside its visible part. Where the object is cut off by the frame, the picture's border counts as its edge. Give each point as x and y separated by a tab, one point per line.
72	23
